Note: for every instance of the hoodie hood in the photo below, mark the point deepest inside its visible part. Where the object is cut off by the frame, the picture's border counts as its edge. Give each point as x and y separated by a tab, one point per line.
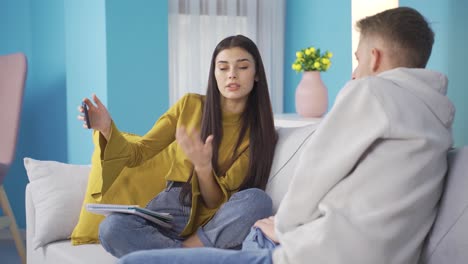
429	86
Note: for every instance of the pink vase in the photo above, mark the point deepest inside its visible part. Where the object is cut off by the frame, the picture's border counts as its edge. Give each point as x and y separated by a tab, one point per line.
311	95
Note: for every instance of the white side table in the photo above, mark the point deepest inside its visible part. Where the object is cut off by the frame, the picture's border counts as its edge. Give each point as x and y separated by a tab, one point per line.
293	120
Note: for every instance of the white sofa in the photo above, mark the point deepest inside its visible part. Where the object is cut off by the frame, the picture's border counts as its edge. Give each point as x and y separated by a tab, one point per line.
58	249
47	241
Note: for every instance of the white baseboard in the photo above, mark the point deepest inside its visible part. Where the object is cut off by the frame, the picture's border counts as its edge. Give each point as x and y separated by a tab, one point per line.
5	234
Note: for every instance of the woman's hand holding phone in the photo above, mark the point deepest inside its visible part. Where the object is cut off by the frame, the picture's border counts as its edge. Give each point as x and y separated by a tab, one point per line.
95	115
86	116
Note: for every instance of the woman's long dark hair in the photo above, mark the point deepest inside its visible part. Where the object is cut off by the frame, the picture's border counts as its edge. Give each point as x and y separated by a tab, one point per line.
257	115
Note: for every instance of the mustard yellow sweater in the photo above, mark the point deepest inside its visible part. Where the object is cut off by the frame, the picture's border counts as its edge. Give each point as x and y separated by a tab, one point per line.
175	165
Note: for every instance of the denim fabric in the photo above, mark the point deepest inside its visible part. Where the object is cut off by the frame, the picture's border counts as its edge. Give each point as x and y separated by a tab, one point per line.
198	256
257	240
121	234
256	249
231	224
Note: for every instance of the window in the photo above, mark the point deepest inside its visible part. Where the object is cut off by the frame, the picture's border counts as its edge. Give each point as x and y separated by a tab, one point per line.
196	26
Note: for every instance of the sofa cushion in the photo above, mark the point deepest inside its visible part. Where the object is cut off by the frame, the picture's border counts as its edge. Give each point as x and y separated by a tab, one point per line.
57	190
288	149
448	239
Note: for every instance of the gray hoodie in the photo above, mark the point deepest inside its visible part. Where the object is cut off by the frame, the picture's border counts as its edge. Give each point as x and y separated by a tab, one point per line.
367	184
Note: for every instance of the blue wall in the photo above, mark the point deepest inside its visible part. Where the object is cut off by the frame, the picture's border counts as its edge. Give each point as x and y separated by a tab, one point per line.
36	30
86	72
457	56
327	25
75	48
137	59
15	23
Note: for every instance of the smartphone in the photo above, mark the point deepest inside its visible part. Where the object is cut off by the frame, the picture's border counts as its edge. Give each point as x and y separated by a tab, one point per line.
85	108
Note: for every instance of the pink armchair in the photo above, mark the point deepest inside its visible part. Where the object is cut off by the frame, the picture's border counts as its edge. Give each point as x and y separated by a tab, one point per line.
12	78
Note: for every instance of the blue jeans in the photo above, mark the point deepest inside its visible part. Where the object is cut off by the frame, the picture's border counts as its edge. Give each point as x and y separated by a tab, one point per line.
121	234
256	249
256	240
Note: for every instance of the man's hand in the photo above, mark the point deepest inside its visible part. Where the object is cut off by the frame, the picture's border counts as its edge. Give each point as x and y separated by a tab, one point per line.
267	225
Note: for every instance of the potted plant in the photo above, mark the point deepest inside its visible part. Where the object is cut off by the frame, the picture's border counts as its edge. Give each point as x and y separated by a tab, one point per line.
311	92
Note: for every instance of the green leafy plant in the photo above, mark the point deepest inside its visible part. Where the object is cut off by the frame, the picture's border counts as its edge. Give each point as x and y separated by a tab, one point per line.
310	59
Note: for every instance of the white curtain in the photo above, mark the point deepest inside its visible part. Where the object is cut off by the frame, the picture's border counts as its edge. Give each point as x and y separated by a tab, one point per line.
196	26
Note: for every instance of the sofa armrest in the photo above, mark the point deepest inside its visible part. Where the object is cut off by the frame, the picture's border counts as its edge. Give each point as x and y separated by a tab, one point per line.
448	240
30	222
287	152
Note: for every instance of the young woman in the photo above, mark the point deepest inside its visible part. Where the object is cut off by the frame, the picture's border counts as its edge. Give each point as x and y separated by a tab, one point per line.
219	149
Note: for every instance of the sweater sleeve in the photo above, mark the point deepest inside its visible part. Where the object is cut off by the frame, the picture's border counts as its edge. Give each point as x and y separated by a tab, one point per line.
119	152
160	136
308	230
232	179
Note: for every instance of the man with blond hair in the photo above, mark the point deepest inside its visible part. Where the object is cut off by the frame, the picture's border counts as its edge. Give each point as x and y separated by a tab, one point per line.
367	184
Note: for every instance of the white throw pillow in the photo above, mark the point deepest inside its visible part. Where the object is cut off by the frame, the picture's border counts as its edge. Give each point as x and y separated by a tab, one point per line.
57	191
288	149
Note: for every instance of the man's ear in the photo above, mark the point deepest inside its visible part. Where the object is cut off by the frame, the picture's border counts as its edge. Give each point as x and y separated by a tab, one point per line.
376	59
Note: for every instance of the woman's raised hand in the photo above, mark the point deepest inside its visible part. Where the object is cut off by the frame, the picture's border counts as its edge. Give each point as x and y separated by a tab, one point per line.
99	117
197	151
200	154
